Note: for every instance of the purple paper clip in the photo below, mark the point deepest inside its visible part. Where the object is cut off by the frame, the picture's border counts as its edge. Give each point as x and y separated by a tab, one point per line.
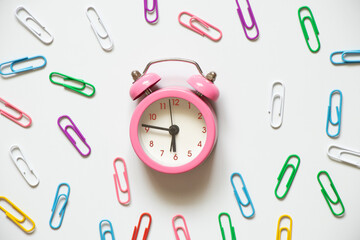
152	10
76	130
243	22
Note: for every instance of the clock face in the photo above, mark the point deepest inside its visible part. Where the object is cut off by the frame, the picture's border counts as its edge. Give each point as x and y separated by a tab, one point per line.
172	131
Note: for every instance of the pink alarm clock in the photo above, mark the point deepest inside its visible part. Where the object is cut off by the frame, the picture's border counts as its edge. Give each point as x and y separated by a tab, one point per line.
173	129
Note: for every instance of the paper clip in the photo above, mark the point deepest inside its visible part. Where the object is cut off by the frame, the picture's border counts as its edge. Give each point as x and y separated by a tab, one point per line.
194	28
150	11
28	169
117	182
99	36
288	230
15	220
337	155
328	198
292	176
343	57
20	60
103	233
232	229
338	114
313	24
180	228
73	88
77	131
240	203
63	208
137	228
281	96
243	22
39	34
14	118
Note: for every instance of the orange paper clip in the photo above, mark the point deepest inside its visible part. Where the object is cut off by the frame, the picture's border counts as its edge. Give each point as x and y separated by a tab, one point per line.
17	221
184	228
194	28
117	182
13	118
137	228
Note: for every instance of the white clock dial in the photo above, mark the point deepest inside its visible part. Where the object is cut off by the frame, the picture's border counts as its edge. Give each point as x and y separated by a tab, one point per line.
172	131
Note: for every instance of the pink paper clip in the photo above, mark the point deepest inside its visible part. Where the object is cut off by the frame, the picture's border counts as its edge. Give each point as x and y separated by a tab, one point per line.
194	28
137	228
71	139
180	228
243	22
13	118
117	182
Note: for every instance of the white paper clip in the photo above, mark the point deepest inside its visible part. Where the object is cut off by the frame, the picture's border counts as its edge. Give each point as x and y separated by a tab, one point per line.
28	173
103	35
41	33
339	153
279	94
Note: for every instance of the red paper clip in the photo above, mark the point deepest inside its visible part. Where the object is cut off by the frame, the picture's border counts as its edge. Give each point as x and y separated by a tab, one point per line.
13	118
117	182
137	228
194	28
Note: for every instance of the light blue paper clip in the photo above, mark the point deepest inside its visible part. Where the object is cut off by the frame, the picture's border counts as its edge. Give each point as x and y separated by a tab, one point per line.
338	113
63	208
13	62
240	203
102	233
343	57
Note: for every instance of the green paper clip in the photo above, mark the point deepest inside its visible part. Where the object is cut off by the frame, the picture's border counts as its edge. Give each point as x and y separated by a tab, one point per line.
313	24
232	229
327	197
73	88
292	176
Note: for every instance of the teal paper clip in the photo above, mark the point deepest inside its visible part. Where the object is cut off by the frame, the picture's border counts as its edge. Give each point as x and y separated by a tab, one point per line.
73	88
102	233
240	203
328	198
336	123
63	208
232	229
292	176
313	24
344	54
21	60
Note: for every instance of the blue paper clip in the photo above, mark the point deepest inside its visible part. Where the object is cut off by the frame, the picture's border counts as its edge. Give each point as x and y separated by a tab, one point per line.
240	203
63	208
343	57
232	229
13	62
313	24
338	113
102	233
243	22
337	53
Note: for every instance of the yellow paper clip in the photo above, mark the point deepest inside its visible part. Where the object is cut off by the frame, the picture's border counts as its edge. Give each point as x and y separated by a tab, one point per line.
280	229
17	221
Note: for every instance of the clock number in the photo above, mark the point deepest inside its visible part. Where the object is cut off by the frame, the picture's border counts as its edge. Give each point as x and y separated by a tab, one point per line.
199	144
189	104
204	130
162	105
176	157
147	129
189	153
200	116
152	116
151	143
175	102
162	152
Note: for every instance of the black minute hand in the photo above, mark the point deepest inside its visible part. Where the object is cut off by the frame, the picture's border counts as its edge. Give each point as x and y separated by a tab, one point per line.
156	127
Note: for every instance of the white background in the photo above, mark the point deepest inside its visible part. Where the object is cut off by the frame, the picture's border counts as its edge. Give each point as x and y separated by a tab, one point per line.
246	142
